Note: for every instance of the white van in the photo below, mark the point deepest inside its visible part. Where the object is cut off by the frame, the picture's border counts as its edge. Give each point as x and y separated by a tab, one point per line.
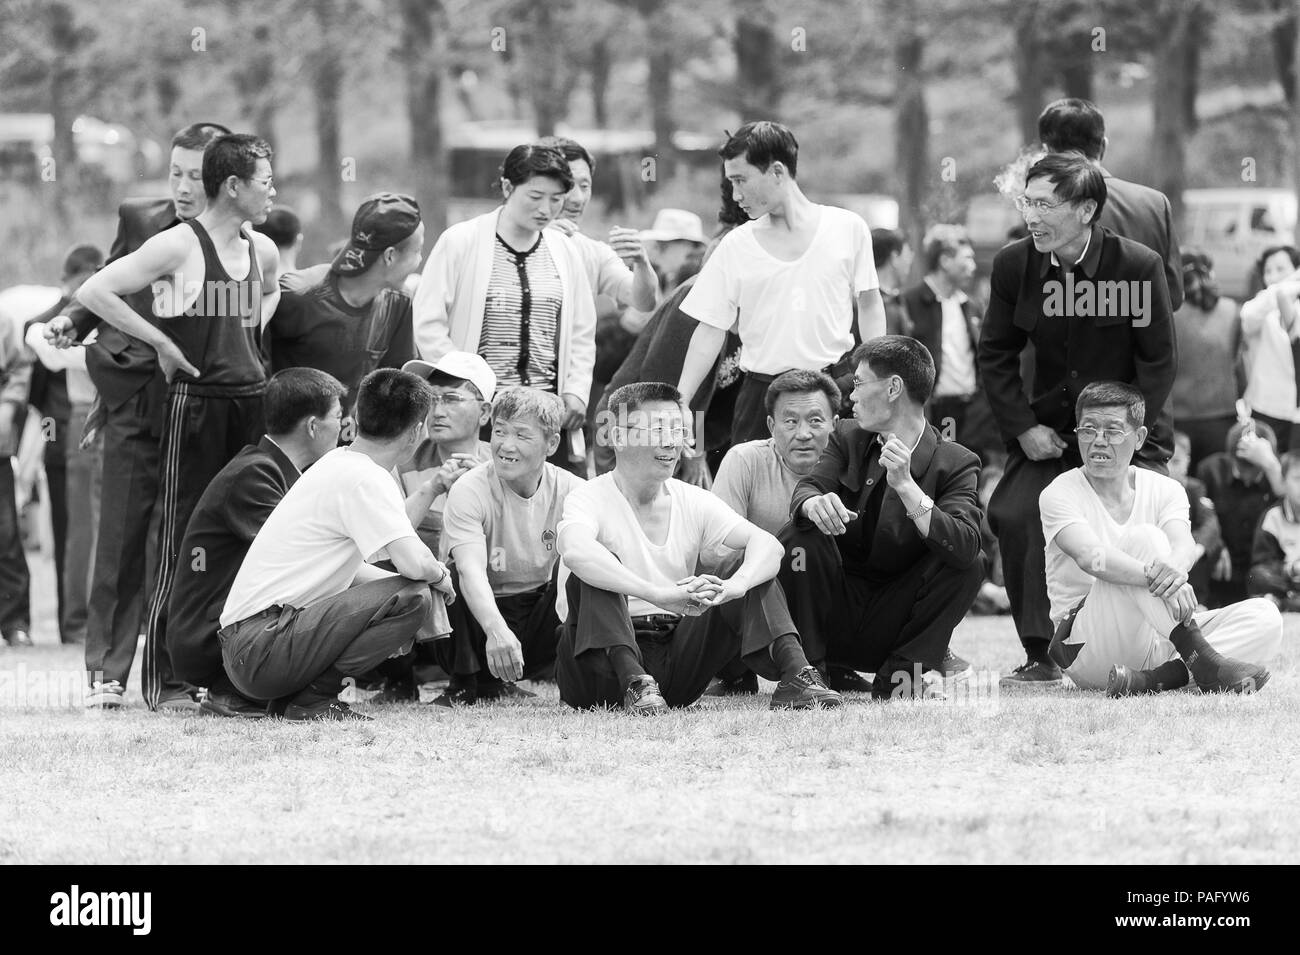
1233	226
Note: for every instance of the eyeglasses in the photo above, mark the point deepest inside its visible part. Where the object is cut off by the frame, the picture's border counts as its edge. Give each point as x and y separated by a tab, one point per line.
862	382
1024	204
268	182
452	399
1110	436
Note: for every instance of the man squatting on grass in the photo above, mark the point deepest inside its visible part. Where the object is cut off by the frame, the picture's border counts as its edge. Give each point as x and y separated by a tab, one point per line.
306	608
1119	545
643	625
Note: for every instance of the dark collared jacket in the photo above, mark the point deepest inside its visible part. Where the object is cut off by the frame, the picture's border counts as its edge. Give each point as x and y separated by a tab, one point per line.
228	516
850	467
1074	351
926	313
119	365
1144	215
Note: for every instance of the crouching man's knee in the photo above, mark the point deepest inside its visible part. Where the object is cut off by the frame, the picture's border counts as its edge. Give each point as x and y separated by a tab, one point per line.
1145	542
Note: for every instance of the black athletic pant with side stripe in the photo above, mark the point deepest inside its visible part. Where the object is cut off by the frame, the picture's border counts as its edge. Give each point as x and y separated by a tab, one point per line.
204	429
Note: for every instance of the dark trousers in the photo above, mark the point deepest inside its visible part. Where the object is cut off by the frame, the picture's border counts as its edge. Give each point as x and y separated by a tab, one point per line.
749	418
846	620
1281	429
1208	436
1013	516
83	495
967	420
15	579
306	653
201	434
54	459
530	616
128	491
682	654
1269	579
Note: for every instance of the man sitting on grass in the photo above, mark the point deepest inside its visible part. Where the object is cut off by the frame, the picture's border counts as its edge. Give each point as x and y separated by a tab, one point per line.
1119	545
642	625
304	414
499	529
306	609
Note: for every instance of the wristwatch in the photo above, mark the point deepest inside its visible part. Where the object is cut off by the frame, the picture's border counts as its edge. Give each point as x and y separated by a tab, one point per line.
926	505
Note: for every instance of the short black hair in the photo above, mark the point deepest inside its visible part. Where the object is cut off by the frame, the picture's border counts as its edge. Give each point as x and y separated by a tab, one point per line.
529	159
297	393
82	258
391	401
282	226
1074	178
800	382
233	155
903	356
572	150
1112	394
885	243
941	240
1291	253
1073	124
762	144
198	135
633	397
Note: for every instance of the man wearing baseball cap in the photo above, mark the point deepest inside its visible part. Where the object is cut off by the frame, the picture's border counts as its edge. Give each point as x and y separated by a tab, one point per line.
351	316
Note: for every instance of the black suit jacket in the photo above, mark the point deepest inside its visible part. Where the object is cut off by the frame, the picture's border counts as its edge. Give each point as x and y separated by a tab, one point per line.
1071	352
926	314
850	466
119	365
228	516
1144	215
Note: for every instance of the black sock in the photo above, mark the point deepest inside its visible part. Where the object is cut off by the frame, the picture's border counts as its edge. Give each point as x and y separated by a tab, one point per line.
787	653
1168	676
1037	650
626	666
1201	658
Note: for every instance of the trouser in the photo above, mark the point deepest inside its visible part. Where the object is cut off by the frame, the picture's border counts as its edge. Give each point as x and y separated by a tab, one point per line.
15	578
1268	579
1127	625
681	653
54	459
1207	435
204	429
83	496
1281	430
965	419
749	418
306	653
530	617
845	620
128	491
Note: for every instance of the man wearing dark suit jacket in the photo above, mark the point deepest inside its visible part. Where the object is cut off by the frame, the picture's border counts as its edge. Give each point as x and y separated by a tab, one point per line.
945	320
1134	211
1096	307
883	551
303	419
133	391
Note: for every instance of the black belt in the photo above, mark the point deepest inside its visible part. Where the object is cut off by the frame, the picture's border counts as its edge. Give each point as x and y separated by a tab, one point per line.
656	620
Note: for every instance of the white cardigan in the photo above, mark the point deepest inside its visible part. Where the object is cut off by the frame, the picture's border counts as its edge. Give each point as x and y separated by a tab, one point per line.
449	303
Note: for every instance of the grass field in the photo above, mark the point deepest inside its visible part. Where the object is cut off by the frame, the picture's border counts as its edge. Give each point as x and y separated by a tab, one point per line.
1057	777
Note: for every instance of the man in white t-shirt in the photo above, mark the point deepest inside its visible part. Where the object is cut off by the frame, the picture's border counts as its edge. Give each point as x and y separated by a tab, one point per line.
306	609
788	280
1119	545
499	529
642	625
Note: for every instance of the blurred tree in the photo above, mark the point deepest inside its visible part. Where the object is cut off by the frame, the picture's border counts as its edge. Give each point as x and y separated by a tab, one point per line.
758	62
1180	24
326	85
911	117
424	53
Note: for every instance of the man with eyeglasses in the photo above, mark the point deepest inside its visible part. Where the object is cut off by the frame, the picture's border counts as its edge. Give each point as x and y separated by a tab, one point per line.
303	418
213	283
499	530
1119	545
643	626
351	316
1095	306
883	551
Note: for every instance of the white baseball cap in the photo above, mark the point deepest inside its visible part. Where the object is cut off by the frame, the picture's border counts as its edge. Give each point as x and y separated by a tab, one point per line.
458	364
675	225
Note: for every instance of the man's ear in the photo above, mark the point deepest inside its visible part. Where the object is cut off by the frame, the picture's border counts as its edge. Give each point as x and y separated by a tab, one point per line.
1142	433
485	414
771	425
552	444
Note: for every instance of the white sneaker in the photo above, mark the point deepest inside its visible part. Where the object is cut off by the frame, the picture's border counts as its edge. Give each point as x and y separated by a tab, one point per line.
104	696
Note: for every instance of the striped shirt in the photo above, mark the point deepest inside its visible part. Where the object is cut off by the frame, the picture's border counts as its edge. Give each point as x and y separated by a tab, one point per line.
521	317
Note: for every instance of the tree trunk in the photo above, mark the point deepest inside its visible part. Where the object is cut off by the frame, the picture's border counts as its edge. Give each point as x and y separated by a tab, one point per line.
1169	100
256	81
660	88
1029	70
63	43
1283	36
911	122
600	66
1295	108
424	43
548	105
757	85
1076	76
327	84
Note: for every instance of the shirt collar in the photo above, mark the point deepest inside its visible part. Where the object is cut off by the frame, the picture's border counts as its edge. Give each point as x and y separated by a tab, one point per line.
957	296
1088	259
880	440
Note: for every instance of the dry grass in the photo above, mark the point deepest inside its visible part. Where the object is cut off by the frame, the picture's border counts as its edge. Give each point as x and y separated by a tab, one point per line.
1058	777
